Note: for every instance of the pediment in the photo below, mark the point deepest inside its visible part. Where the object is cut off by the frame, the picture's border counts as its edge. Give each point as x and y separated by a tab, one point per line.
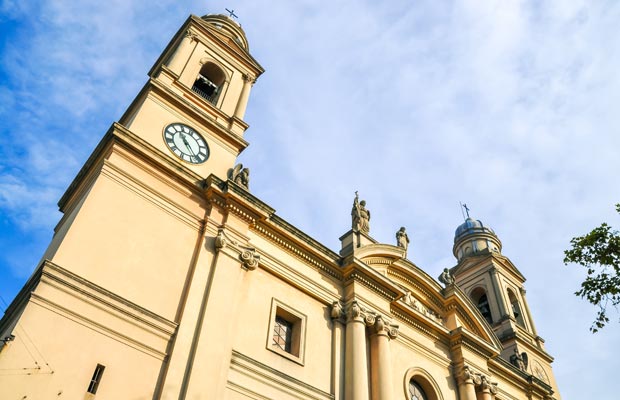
495	259
450	307
231	44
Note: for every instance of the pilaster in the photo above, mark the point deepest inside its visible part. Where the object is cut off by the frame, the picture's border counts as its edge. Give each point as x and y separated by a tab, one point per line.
380	357
356	363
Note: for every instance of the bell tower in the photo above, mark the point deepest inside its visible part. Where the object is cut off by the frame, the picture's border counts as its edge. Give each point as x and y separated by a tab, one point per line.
192	107
496	287
125	279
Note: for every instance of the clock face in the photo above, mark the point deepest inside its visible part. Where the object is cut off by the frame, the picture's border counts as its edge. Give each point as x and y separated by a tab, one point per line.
186	143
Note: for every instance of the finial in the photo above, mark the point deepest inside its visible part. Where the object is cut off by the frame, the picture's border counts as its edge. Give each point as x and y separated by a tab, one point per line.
231	13
464	207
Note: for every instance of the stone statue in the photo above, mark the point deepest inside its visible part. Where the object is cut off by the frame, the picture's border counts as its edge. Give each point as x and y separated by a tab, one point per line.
446	277
360	215
519	360
402	240
241	176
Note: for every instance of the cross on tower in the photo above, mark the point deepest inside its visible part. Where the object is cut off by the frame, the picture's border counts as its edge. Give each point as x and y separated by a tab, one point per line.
466	209
231	13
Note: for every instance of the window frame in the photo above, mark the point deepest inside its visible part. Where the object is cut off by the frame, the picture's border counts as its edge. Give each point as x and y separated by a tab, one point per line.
93	385
298	331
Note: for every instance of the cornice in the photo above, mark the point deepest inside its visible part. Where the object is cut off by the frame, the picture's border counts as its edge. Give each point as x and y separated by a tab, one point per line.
423	325
471	262
420	281
262	220
462	337
356	271
500	367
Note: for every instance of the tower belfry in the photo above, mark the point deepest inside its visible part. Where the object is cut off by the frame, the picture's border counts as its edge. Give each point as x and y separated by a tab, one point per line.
201	83
496	288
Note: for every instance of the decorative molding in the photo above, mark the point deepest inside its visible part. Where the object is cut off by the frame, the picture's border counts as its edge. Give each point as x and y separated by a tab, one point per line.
296	252
356	276
247	255
430	296
414	303
415	324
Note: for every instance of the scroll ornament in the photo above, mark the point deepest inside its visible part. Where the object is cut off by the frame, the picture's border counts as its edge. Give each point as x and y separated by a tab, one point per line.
248	257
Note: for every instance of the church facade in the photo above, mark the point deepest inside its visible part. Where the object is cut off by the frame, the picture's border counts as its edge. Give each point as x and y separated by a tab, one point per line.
167	279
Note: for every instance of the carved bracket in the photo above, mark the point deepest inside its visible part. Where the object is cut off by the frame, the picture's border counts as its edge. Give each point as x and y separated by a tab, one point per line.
247	255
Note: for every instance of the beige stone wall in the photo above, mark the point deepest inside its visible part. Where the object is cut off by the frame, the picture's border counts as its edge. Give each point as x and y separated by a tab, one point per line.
67	328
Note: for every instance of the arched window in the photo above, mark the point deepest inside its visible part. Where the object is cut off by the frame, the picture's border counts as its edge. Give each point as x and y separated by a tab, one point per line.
418	384
416	392
209	82
479	297
516	308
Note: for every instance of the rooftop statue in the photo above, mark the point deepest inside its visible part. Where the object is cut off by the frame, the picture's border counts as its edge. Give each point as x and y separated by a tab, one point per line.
519	360
446	277
241	176
402	239
360	215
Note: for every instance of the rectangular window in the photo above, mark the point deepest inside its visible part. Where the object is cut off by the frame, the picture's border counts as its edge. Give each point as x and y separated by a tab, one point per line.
287	332
94	382
283	334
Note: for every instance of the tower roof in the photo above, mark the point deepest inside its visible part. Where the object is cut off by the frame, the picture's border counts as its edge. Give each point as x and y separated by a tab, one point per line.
471	226
473	237
229	27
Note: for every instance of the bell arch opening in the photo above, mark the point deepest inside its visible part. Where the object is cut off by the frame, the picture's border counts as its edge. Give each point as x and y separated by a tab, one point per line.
209	82
516	308
480	299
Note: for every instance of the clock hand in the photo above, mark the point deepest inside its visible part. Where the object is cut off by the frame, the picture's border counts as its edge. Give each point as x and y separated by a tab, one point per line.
189	149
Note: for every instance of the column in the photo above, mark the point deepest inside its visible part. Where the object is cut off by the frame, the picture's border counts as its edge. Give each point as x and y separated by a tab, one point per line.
467	384
337	384
248	81
380	359
499	294
487	389
356	364
179	57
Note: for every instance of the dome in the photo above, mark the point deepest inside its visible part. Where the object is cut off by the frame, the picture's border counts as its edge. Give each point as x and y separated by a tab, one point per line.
471	226
229	27
472	237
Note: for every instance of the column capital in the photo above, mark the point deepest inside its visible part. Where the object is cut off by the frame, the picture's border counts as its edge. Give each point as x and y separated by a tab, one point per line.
469	376
486	386
249	79
382	327
336	311
354	312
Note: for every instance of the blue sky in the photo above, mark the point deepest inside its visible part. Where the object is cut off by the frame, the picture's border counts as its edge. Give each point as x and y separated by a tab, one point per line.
509	106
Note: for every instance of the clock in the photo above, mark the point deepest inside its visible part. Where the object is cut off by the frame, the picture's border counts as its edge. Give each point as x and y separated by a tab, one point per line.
186	143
